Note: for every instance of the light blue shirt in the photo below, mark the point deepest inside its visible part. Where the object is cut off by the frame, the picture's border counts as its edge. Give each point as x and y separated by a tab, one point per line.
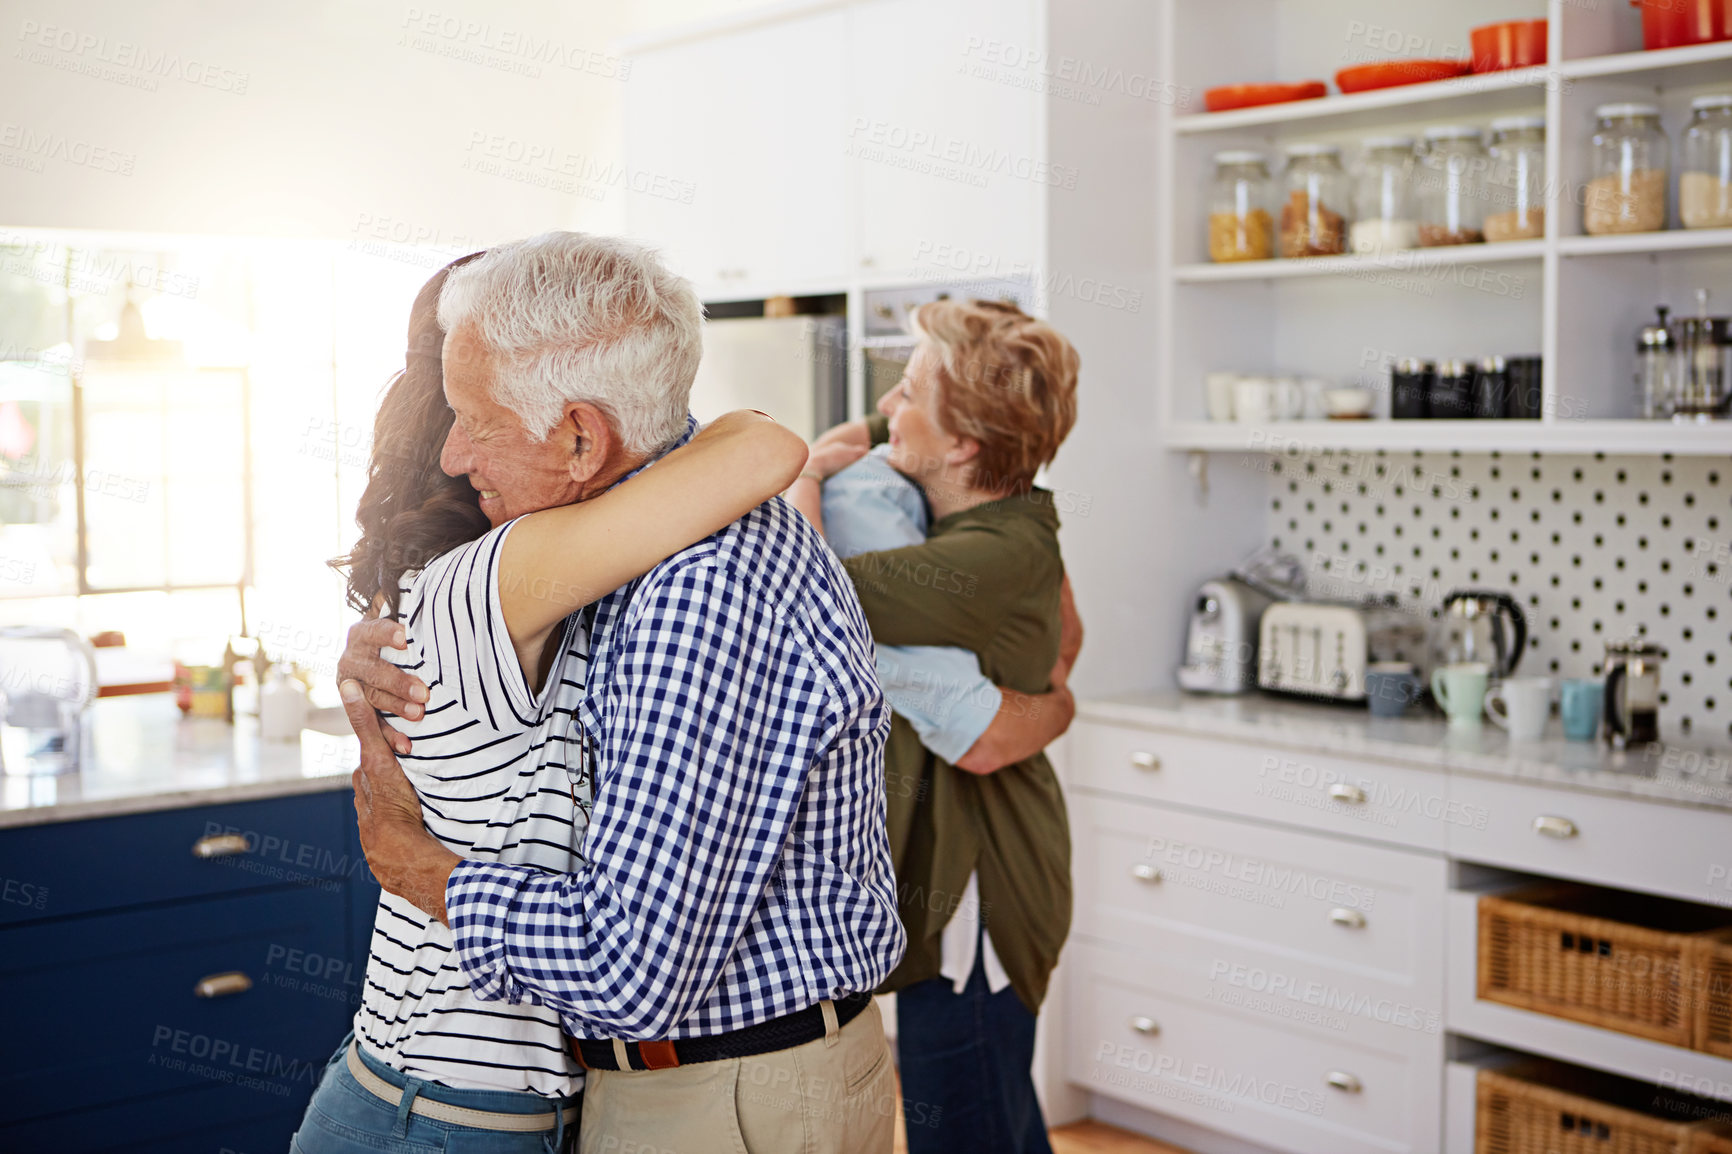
868	507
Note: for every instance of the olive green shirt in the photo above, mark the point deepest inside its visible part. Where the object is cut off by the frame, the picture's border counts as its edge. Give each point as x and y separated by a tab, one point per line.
986	579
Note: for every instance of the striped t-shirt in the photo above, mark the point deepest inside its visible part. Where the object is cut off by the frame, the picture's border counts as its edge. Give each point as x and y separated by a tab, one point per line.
488	762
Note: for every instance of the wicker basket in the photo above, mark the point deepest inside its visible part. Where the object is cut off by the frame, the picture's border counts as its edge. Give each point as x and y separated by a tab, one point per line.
1616	960
1716	1139
1712	996
1542	1107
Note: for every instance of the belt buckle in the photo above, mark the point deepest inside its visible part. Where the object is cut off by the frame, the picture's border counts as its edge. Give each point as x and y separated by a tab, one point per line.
660	1055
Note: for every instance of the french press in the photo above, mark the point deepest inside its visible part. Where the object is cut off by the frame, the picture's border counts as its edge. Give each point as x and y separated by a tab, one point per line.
1632	703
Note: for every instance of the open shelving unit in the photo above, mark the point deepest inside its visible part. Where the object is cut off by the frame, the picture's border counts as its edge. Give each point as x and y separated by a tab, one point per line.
1575	300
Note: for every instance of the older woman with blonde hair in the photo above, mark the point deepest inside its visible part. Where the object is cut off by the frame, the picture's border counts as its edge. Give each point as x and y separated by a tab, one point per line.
981	841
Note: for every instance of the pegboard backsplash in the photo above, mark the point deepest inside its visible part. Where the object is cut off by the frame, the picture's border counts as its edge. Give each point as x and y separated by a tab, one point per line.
1594	548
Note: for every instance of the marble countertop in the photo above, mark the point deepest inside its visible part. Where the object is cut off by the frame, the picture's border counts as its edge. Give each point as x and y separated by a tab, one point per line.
1673	771
145	756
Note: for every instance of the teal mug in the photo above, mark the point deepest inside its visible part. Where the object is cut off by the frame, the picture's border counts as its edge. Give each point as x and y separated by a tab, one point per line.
1579	705
1460	690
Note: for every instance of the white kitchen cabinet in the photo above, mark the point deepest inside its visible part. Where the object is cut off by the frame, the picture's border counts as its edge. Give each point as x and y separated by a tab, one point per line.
943	136
734	144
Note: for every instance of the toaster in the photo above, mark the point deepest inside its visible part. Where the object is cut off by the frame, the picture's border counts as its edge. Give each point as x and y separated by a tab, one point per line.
1221	639
1318	649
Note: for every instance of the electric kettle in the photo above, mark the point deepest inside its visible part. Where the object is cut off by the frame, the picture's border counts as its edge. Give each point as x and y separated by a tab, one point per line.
1479	625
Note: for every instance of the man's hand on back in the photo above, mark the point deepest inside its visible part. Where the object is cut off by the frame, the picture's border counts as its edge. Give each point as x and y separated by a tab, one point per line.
385	686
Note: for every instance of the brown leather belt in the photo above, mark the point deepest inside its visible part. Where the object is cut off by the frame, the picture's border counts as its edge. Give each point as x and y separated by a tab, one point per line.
782	1033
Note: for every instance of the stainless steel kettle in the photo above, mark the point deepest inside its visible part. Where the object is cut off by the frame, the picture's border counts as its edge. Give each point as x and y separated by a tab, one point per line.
1479	625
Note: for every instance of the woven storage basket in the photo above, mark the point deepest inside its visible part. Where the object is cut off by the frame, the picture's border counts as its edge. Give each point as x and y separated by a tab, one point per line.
1717	1139
1611	959
1542	1107
1713	997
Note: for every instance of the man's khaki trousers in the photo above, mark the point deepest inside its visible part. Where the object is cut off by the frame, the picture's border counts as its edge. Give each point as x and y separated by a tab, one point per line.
835	1095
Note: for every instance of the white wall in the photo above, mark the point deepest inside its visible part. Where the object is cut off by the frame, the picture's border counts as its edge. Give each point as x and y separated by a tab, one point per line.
322	119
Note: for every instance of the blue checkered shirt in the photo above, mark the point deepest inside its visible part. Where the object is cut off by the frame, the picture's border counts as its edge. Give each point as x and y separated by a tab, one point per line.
738	864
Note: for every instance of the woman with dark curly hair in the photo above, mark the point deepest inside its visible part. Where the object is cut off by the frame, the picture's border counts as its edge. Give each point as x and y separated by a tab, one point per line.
488	622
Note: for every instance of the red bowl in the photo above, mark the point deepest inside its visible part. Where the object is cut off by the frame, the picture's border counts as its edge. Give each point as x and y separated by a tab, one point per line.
1673	23
1512	44
1253	95
1393	73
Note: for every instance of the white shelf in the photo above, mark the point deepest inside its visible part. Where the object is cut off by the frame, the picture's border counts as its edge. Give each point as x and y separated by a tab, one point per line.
1407	260
1680	67
1672	240
1464	95
1614	437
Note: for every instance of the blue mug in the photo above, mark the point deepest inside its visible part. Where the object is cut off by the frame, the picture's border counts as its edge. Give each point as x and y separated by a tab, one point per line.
1579	705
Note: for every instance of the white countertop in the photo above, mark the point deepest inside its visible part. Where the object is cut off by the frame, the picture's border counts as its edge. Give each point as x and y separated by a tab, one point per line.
1681	773
146	756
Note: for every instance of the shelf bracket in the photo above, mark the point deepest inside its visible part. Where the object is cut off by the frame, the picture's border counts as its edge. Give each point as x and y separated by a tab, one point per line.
1198	466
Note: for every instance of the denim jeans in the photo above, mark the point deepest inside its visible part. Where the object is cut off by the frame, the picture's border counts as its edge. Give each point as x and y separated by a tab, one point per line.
967	1062
346	1118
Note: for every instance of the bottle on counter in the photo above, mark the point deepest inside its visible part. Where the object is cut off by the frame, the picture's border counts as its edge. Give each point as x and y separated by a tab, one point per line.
1516	186
1630	162
1705	177
1383	213
1317	196
1240	196
1452	172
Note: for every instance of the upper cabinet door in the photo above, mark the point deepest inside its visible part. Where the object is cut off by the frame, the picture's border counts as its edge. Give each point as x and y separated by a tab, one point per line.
735	144
942	135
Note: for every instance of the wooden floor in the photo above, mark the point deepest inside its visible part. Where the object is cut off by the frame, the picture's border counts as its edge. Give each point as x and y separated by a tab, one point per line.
1087	1138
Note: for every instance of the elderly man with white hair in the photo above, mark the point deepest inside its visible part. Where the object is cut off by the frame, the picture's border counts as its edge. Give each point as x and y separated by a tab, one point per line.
713	958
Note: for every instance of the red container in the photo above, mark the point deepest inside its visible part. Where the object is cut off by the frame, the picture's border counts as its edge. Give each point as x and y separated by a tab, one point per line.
1673	23
1393	73
1512	44
1233	96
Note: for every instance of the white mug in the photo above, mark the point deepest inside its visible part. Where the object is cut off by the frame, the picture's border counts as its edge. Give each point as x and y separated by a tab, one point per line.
1521	705
1289	398
1219	388
1254	400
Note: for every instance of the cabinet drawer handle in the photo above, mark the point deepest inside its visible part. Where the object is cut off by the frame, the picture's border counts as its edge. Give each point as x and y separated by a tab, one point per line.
219	845
1351	794
1345	1082
1352	919
1143	760
1144	1025
1145	872
1555	826
222	985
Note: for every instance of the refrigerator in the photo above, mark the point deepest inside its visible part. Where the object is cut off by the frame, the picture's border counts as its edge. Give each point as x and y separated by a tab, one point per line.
793	368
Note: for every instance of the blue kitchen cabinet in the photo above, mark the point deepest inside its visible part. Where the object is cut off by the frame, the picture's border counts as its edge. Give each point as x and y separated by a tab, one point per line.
162	1000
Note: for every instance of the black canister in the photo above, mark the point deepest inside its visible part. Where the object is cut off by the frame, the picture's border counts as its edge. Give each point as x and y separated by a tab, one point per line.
1452	391
1410	389
1491	388
1525	387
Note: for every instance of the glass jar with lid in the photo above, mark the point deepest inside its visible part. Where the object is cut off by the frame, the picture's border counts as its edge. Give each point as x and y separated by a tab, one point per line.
1516	186
1315	202
1630	159
1451	182
1240	199
1705	176
1383	215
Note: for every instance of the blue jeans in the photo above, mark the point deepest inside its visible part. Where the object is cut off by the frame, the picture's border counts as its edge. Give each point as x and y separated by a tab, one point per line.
346	1118
967	1061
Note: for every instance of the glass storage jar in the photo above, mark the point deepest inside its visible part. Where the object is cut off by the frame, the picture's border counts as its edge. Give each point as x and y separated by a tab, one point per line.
1705	176
1383	216
1451	180
1516	186
1630	159
1240	198
1315	206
